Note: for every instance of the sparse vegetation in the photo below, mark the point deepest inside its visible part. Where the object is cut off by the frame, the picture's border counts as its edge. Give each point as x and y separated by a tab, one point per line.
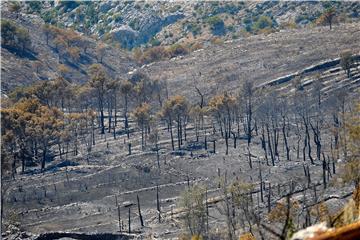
14	36
193	202
217	25
159	53
346	61
328	17
262	23
255	138
194	28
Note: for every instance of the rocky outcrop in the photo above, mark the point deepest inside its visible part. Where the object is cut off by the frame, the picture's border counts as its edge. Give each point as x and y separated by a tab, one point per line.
169	21
125	35
141	27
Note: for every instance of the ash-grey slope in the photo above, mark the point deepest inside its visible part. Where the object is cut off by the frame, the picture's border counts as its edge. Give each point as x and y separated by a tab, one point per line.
258	58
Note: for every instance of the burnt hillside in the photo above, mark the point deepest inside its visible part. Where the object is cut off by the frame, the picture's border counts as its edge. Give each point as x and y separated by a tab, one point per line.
42	61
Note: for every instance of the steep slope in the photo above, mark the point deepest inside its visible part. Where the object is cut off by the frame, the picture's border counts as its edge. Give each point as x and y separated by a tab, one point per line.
133	23
259	59
45	62
217	67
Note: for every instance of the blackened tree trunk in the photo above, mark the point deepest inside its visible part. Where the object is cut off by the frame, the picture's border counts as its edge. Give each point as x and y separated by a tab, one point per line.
129	221
115	111
269	199
118	209
308	142
250	161
179	132
263	144
171	135
324	171
102	124
142	137
226	142
269	145
140	215
234	138
285	140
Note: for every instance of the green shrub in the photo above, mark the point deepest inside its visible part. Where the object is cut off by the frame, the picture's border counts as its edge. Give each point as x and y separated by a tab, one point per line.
230	8
118	18
194	28
263	22
67	5
155	42
177	49
326	4
91	13
248	27
214	20
14	36
247	20
35	6
300	18
217	25
231	28
134	24
49	16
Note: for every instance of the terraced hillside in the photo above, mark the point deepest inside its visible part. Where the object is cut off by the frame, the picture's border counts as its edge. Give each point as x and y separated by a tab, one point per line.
269	114
257	58
79	195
